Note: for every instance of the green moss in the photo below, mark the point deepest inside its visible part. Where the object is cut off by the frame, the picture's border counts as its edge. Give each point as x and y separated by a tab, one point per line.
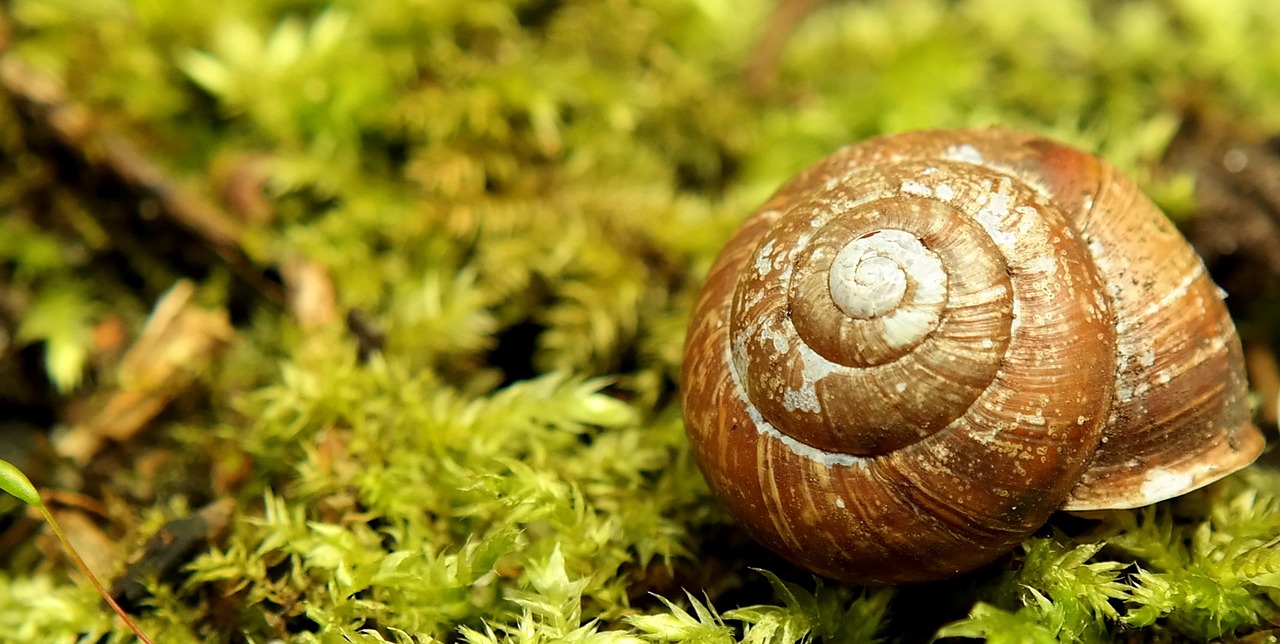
522	198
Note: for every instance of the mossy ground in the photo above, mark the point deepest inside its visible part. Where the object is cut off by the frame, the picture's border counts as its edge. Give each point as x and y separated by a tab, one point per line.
466	238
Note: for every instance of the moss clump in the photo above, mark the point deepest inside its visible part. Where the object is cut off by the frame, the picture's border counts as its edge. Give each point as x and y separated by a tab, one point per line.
455	419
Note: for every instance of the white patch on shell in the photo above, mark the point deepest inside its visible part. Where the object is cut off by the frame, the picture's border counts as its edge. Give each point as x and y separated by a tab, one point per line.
964	153
907	326
988	294
1134	358
1028	419
1147	358
1124	393
785	276
1165	484
814	369
763	259
945	192
917	188
765	428
1043	264
991	217
779	339
988	435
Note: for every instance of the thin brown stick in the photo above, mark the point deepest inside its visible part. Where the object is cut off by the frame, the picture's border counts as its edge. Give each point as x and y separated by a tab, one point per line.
762	70
84	568
45	102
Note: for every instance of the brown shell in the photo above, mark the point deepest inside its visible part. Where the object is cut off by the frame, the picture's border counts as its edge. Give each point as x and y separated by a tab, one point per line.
1080	358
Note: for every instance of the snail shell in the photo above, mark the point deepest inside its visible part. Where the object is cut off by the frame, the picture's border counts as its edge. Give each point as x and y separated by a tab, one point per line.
925	344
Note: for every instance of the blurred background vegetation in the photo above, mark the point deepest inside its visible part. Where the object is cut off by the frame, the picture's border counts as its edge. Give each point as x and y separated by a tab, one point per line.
361	321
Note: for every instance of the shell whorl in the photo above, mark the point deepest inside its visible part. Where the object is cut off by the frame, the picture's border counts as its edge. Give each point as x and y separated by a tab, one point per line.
907	359
975	376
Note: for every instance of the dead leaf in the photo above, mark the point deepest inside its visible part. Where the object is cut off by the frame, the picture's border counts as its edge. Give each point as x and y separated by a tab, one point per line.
179	341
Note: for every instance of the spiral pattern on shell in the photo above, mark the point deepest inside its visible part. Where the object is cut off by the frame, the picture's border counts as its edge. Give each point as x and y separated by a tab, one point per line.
924	345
